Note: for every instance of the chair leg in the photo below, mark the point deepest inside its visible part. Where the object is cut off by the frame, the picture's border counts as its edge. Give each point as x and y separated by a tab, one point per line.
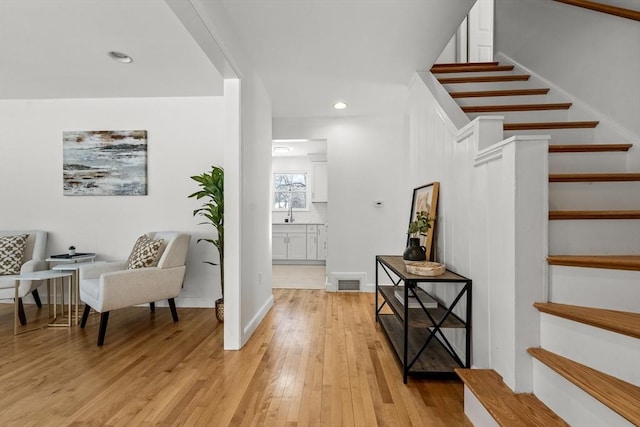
174	312
85	316
152	307
21	315
36	296
104	318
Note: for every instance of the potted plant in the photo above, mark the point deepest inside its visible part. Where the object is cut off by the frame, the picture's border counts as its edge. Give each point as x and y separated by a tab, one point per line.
212	191
417	228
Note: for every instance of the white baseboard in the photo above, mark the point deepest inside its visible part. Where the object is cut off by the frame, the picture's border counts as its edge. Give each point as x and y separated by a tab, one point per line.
189	303
180	302
257	319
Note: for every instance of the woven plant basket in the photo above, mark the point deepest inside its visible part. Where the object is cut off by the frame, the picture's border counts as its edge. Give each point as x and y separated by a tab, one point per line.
220	310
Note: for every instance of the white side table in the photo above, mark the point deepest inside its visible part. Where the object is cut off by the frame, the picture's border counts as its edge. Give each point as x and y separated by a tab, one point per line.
47	275
74	267
68	259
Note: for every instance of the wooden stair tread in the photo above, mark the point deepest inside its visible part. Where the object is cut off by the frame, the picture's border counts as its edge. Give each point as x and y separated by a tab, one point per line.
484	79
503	92
462	64
594	177
505	406
550	125
620	214
621	322
620	396
588	148
612	262
472	68
515	107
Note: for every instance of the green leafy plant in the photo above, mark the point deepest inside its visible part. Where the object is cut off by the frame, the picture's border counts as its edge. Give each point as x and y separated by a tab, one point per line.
421	225
212	191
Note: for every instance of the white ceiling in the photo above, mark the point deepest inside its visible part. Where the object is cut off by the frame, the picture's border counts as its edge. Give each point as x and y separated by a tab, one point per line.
58	49
309	53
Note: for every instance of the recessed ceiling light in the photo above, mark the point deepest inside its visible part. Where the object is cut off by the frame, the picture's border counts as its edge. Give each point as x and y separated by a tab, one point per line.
279	149
121	57
290	140
340	105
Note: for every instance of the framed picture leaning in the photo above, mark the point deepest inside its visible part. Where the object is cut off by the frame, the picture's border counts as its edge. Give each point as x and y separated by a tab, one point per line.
425	198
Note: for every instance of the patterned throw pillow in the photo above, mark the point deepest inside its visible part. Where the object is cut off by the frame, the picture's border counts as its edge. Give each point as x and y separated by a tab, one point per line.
144	253
12	253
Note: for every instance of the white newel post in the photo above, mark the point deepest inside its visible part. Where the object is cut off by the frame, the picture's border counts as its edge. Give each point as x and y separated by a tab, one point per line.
516	175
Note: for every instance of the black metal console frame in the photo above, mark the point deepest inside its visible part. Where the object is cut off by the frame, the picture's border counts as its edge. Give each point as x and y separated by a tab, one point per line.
432	320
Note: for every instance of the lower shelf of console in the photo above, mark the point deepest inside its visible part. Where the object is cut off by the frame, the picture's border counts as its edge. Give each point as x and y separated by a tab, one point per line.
434	361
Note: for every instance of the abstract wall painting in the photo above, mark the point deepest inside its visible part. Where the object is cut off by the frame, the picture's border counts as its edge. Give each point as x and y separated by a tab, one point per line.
105	163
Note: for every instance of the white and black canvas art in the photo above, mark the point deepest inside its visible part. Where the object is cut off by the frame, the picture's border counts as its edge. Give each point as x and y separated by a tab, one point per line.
105	163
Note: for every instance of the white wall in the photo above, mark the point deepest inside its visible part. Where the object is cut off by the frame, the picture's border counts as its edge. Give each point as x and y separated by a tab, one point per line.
317	212
591	55
367	161
255	256
248	282
184	139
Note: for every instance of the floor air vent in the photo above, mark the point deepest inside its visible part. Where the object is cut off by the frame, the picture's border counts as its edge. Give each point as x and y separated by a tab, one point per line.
348	284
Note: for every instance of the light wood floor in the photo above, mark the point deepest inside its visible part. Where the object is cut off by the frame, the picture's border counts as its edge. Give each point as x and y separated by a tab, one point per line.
317	359
299	276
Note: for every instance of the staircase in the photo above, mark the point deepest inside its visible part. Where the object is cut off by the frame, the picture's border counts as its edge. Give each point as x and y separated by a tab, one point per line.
587	370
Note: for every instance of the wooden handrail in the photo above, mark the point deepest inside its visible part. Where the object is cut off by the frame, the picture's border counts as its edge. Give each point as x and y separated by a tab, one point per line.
604	8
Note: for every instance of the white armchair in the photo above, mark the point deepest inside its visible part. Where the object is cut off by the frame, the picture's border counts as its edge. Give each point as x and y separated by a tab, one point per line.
34	260
110	286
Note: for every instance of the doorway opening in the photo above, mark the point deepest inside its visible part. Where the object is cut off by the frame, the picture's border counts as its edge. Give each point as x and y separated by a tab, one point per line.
300	200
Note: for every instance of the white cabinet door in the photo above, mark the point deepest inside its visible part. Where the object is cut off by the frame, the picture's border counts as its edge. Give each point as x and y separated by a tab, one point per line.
312	246
320	191
279	245
297	246
322	242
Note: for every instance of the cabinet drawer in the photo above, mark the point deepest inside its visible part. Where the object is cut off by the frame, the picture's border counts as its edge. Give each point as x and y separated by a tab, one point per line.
312	229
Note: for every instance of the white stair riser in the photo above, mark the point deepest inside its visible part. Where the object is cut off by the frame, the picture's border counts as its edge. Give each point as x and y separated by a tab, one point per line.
475	74
503	100
571	403
595	287
604	162
464	87
560	136
608	352
594	237
594	195
476	412
527	116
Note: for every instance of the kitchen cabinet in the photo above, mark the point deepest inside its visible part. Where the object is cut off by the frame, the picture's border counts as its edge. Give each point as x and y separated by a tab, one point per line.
322	242
299	242
312	241
289	242
320	192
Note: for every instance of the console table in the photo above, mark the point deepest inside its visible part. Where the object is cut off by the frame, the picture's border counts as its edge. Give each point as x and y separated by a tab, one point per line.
416	334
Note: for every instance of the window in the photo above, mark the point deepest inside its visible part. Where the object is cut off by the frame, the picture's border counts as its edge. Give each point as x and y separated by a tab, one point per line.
289	191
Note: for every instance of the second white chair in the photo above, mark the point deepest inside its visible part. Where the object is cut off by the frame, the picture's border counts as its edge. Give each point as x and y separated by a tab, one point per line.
110	286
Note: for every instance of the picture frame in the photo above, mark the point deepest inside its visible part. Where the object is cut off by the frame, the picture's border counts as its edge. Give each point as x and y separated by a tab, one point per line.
425	198
104	163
